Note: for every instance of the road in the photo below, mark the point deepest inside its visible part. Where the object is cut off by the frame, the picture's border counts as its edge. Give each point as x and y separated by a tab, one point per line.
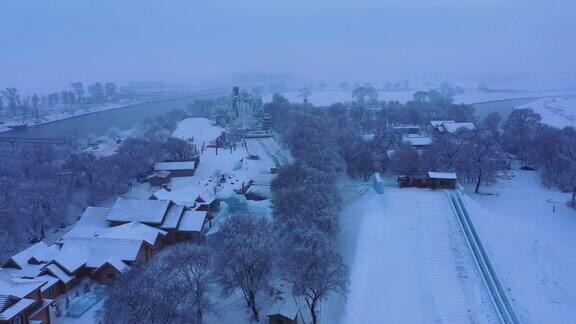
411	263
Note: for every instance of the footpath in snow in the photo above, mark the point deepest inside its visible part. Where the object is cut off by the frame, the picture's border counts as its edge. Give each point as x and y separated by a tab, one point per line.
529	234
411	263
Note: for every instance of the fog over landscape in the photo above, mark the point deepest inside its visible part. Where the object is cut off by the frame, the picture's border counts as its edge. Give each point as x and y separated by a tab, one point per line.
47	44
287	161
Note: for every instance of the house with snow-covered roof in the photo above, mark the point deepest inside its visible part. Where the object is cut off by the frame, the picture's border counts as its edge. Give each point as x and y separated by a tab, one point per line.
178	169
448	126
21	300
149	212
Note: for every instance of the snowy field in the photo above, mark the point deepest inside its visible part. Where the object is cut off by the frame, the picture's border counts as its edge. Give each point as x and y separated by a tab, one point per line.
558	112
410	263
529	234
472	96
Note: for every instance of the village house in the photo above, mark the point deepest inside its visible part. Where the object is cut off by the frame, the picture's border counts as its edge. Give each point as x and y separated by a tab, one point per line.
442	180
448	126
178	169
21	300
407	130
417	141
283	311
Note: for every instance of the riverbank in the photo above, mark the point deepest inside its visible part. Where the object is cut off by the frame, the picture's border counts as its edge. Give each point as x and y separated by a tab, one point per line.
67	113
123	118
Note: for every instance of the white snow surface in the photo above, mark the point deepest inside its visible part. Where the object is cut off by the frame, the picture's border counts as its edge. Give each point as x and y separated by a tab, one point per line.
558	112
411	263
199	129
528	232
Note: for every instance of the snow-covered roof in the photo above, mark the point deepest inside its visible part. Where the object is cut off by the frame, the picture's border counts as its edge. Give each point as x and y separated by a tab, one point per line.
16	309
97	250
57	272
21	259
171	166
46	255
94	216
284	307
50	281
70	259
16	286
192	221
160	174
185	196
117	264
442	175
438	123
453	127
172	217
418	141
3	301
134	231
144	211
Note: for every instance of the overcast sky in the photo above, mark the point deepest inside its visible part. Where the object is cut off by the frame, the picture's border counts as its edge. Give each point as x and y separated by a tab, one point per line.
46	44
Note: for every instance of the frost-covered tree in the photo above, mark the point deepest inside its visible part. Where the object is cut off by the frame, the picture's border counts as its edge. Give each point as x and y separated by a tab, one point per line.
405	160
312	267
182	296
245	255
444	152
519	131
483	157
492	121
178	149
365	94
110	91
96	91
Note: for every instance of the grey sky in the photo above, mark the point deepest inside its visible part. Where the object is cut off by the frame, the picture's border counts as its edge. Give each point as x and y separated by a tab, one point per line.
47	44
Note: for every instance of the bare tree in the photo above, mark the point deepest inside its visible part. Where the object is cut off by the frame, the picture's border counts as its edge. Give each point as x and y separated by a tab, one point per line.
304	93
78	90
13	98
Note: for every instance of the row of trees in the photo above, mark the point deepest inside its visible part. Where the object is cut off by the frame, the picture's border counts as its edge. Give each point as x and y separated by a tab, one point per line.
12	102
306	204
540	145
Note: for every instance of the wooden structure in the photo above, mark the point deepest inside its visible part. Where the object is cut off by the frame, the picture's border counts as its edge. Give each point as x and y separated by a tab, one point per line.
442	180
178	169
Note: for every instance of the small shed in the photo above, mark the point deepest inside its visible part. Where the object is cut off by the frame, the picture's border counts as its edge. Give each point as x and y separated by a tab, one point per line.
283	311
159	178
442	180
178	169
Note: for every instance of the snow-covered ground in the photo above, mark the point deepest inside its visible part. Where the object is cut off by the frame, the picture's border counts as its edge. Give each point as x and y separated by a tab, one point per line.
410	263
558	112
529	234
